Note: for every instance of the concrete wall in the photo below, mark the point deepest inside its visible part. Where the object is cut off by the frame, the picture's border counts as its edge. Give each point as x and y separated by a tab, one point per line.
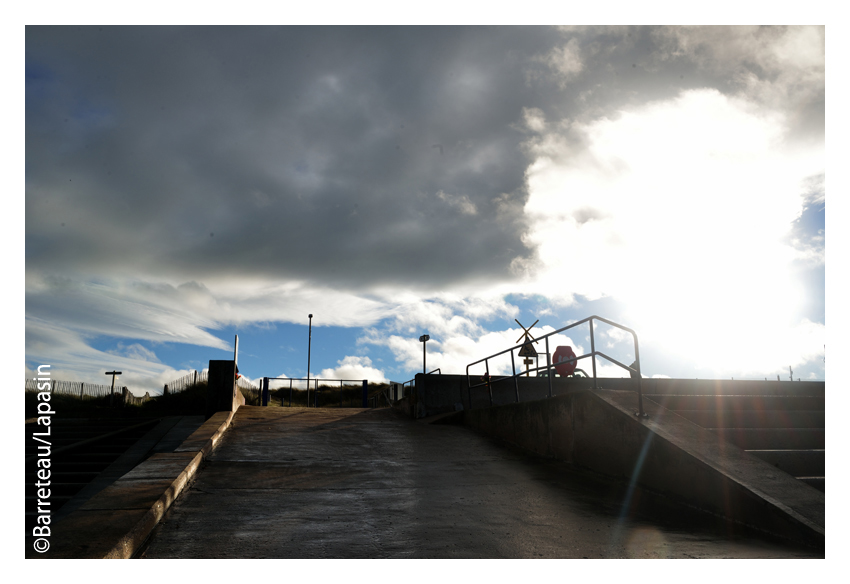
222	393
436	394
597	429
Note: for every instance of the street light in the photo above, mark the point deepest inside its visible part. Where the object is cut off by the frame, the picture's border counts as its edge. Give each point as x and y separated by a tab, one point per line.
309	341
423	339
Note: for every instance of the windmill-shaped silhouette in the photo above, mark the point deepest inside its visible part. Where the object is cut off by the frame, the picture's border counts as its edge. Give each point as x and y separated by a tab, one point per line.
527	351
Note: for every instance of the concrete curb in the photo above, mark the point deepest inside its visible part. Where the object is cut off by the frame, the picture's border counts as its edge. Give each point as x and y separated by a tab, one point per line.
128	545
115	523
132	541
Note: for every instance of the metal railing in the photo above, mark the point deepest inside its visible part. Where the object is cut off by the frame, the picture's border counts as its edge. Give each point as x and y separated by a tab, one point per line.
315	382
634	372
410	384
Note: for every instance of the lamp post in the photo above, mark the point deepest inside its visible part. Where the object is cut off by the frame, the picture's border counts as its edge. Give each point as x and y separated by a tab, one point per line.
423	339
309	341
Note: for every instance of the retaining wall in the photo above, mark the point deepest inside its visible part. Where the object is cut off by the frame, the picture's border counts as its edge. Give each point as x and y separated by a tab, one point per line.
437	394
597	429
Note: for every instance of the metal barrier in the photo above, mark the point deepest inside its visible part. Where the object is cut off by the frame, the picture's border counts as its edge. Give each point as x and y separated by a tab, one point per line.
316	389
633	371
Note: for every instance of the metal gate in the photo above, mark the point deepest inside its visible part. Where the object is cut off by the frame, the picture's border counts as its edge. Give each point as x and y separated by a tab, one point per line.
320	387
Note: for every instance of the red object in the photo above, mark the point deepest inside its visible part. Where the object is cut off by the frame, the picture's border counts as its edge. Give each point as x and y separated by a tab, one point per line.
561	355
238	376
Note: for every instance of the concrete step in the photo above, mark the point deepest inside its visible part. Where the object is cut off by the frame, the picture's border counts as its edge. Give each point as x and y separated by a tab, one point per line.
65	477
62	489
732	387
755	418
55	502
739	402
80	466
774	438
797	463
817	482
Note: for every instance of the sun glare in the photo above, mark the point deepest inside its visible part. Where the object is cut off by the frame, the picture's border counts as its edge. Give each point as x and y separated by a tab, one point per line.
679	213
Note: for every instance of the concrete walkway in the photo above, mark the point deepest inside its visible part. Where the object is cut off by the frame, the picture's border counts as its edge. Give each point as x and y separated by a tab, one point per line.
307	483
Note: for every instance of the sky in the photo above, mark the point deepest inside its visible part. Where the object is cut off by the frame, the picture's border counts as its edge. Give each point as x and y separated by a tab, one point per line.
187	184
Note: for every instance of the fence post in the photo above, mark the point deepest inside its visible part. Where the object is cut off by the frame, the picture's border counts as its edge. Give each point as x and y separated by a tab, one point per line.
196	378
81	390
165	389
365	393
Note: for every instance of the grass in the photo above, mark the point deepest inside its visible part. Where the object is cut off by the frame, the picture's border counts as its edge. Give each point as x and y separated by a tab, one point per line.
72	406
192	401
330	396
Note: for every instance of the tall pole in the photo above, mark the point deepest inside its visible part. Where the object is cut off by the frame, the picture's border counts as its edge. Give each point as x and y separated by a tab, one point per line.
309	342
423	339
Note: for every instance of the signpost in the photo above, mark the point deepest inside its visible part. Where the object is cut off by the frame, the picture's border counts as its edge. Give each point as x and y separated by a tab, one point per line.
112	391
527	349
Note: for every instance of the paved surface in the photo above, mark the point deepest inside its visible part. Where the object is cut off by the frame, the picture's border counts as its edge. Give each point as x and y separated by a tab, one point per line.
306	483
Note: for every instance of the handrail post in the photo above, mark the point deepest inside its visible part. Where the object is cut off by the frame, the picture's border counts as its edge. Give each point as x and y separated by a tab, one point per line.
489	387
593	353
468	388
548	365
516	383
641	413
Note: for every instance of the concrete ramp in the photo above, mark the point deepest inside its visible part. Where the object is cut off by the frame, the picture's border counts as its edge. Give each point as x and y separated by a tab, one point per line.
349	483
597	429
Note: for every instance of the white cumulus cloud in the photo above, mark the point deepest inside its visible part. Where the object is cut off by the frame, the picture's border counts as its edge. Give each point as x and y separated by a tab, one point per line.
354	368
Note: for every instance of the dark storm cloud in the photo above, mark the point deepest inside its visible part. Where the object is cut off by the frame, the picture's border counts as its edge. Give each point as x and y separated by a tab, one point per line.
181	179
351	156
303	153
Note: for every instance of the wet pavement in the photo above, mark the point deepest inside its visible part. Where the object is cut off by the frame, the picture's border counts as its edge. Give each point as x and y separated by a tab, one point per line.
331	483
